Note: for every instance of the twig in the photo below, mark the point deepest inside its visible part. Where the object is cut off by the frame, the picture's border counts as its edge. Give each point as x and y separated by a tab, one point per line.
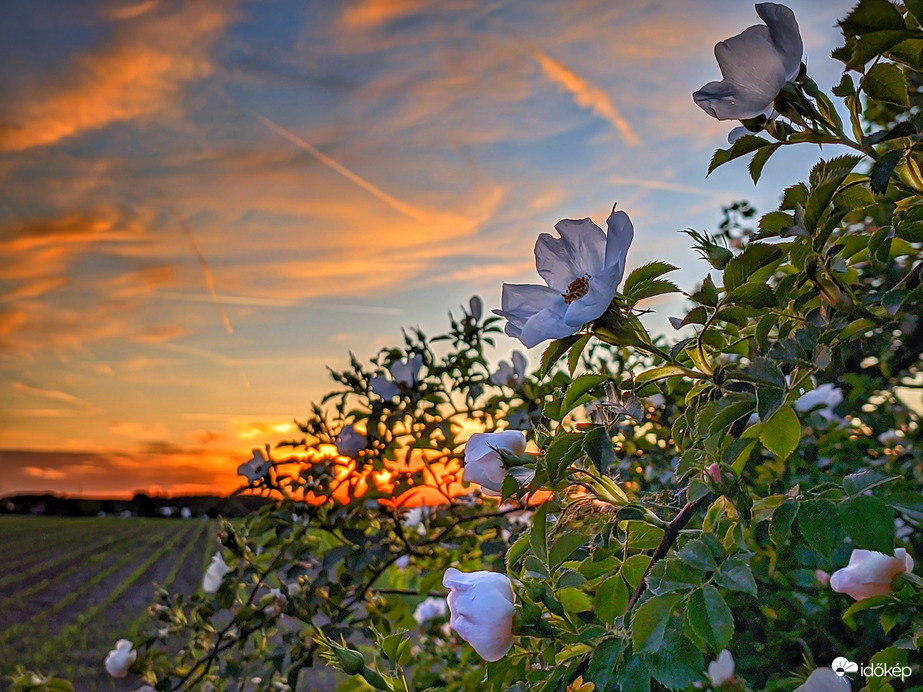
669	537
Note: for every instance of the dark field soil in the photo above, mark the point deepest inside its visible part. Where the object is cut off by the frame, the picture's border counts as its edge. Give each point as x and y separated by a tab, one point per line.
71	587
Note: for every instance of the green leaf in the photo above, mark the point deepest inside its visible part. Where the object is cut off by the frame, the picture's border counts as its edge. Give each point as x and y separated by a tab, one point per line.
662	373
885	82
649	621
698	555
710	617
647	272
598	446
871	15
671	575
678	664
754	295
574	600
759	160
743	266
564	546
518	549
881	172
735	574
773	223
763	371
782	433
817	521
573	358
611	599
649	289
780	527
869	523
742	146
538	537
633	569
642	536
578	388
555	351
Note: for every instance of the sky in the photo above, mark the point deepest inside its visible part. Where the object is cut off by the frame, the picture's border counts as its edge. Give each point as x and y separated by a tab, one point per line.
204	204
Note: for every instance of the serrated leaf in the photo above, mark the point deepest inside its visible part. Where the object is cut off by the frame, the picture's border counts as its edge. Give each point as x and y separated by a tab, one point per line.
759	160
678	664
742	146
598	446
883	168
667	576
555	351
871	15
885	82
611	598
573	358
662	373
580	387
735	574
782	433
698	555
754	295
756	255
647	272
780	527
710	617
649	289
649	621
818	524
869	523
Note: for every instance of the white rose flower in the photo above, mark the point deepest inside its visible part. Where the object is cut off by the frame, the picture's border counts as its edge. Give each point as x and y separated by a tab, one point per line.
254	469
869	573
755	65
120	659
430	609
350	442
483	464
582	268
481	605
404	374
510	375
215	574
476	308
722	670
824	680
890	438
827	396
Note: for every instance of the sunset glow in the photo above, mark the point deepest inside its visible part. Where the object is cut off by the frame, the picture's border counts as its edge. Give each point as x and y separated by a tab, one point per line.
204	204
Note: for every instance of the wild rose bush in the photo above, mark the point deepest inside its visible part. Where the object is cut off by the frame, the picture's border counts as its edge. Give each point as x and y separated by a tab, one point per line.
734	507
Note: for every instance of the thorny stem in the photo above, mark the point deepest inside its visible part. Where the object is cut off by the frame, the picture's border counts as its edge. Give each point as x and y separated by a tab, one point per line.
669	538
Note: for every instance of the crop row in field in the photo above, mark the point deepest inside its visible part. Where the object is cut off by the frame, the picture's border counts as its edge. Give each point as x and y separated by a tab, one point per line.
85	584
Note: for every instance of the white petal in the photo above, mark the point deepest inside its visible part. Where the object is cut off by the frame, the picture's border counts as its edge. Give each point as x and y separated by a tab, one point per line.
519	365
824	680
383	387
534	313
592	305
585	243
784	34
618	240
555	263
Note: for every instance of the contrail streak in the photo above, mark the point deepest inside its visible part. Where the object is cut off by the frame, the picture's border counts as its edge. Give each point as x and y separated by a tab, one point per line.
209	279
282	303
585	94
395	204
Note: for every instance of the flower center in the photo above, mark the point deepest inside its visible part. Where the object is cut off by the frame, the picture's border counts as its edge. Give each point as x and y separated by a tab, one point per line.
578	288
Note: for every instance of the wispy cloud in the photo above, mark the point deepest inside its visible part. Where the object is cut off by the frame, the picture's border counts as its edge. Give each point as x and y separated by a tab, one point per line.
407	209
56	395
209	277
138	74
585	94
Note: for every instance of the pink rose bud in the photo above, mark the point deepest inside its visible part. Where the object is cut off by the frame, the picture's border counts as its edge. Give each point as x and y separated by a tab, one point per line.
715	472
870	573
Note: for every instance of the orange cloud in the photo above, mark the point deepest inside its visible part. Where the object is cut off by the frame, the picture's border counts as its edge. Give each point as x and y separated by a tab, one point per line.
138	74
585	94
